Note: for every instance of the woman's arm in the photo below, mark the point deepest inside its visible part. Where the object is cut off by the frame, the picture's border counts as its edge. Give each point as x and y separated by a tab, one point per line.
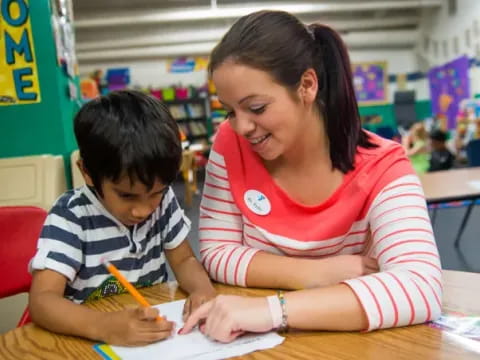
284	272
222	251
407	291
332	308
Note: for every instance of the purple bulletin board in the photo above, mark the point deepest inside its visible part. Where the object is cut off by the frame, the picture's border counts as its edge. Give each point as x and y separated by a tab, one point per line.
371	82
449	84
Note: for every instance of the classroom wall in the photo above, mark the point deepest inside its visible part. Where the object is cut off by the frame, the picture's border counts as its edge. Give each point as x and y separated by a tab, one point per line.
446	35
474	75
455	35
436	26
24	128
40	128
147	73
399	60
423	109
45	127
154	73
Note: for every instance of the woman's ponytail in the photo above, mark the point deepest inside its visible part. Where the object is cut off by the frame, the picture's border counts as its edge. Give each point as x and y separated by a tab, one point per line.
336	97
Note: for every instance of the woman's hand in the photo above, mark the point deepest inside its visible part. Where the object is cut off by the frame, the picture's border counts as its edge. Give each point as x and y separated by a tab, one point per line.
227	317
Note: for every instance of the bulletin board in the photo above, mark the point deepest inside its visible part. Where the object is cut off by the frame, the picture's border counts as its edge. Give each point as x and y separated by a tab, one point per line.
449	85
371	82
187	64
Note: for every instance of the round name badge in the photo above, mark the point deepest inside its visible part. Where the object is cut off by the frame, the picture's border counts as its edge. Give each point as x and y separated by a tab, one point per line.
257	202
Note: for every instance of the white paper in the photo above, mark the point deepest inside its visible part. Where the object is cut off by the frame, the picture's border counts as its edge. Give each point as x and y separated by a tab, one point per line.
195	345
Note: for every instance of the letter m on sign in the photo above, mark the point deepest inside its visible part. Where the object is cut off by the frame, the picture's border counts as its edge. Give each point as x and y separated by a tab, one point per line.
21	48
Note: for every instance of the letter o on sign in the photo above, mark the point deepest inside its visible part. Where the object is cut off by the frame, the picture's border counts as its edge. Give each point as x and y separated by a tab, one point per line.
23	13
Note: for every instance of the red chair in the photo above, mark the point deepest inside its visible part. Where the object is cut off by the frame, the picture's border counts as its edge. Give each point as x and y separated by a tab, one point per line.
20	228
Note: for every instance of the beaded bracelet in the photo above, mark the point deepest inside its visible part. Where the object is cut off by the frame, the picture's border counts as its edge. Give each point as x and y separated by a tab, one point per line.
283	304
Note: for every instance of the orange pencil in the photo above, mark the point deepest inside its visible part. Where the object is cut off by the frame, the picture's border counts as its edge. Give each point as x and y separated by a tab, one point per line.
130	288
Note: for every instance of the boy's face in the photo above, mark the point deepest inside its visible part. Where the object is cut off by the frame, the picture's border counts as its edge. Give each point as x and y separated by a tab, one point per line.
129	202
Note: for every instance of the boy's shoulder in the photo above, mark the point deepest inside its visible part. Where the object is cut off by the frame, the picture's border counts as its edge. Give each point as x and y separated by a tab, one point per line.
78	211
73	202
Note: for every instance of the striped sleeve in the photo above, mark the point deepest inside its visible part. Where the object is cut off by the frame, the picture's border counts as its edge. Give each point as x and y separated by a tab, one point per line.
178	224
408	288
59	247
222	251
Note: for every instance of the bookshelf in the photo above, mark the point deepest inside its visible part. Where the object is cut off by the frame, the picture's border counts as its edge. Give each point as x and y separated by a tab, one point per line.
193	117
218	113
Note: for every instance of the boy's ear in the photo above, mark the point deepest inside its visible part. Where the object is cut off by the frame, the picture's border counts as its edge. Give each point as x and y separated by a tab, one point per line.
86	177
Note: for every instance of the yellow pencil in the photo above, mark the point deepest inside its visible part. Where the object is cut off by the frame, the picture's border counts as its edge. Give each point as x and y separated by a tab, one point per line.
130	288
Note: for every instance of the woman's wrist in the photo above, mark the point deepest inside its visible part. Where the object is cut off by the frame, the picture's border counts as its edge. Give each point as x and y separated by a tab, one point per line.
275	310
278	311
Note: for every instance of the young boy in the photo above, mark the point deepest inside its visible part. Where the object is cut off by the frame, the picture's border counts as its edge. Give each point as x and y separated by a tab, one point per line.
441	158
126	213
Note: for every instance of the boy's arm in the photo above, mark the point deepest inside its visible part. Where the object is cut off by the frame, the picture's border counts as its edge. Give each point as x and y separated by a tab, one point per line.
49	309
190	274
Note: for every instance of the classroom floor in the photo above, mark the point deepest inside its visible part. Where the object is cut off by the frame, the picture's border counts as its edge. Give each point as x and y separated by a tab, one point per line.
447	223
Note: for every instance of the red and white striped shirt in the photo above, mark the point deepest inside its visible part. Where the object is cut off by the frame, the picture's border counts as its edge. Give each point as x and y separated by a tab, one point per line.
379	210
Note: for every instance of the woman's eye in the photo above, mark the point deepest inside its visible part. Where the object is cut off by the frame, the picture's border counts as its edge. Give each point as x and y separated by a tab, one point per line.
258	110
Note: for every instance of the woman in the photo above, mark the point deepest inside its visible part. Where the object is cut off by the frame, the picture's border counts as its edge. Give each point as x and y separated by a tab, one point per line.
298	196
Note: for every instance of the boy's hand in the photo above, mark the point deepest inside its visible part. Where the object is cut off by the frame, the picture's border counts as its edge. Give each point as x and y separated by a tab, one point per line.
196	299
134	327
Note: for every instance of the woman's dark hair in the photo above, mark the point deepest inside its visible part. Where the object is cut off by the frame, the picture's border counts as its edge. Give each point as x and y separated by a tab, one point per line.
278	43
128	133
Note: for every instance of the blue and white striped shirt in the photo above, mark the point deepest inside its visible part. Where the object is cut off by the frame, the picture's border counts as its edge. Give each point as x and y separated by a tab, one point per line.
79	232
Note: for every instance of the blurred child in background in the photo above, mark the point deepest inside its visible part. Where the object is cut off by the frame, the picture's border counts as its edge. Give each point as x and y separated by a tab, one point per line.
415	144
441	158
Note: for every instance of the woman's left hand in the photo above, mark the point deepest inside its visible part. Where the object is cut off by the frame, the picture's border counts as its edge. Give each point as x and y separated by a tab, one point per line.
196	299
227	317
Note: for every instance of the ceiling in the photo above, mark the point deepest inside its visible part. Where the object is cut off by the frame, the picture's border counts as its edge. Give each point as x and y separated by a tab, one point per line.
123	30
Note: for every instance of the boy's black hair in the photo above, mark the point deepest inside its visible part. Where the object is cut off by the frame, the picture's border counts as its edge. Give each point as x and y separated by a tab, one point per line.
438	135
128	133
